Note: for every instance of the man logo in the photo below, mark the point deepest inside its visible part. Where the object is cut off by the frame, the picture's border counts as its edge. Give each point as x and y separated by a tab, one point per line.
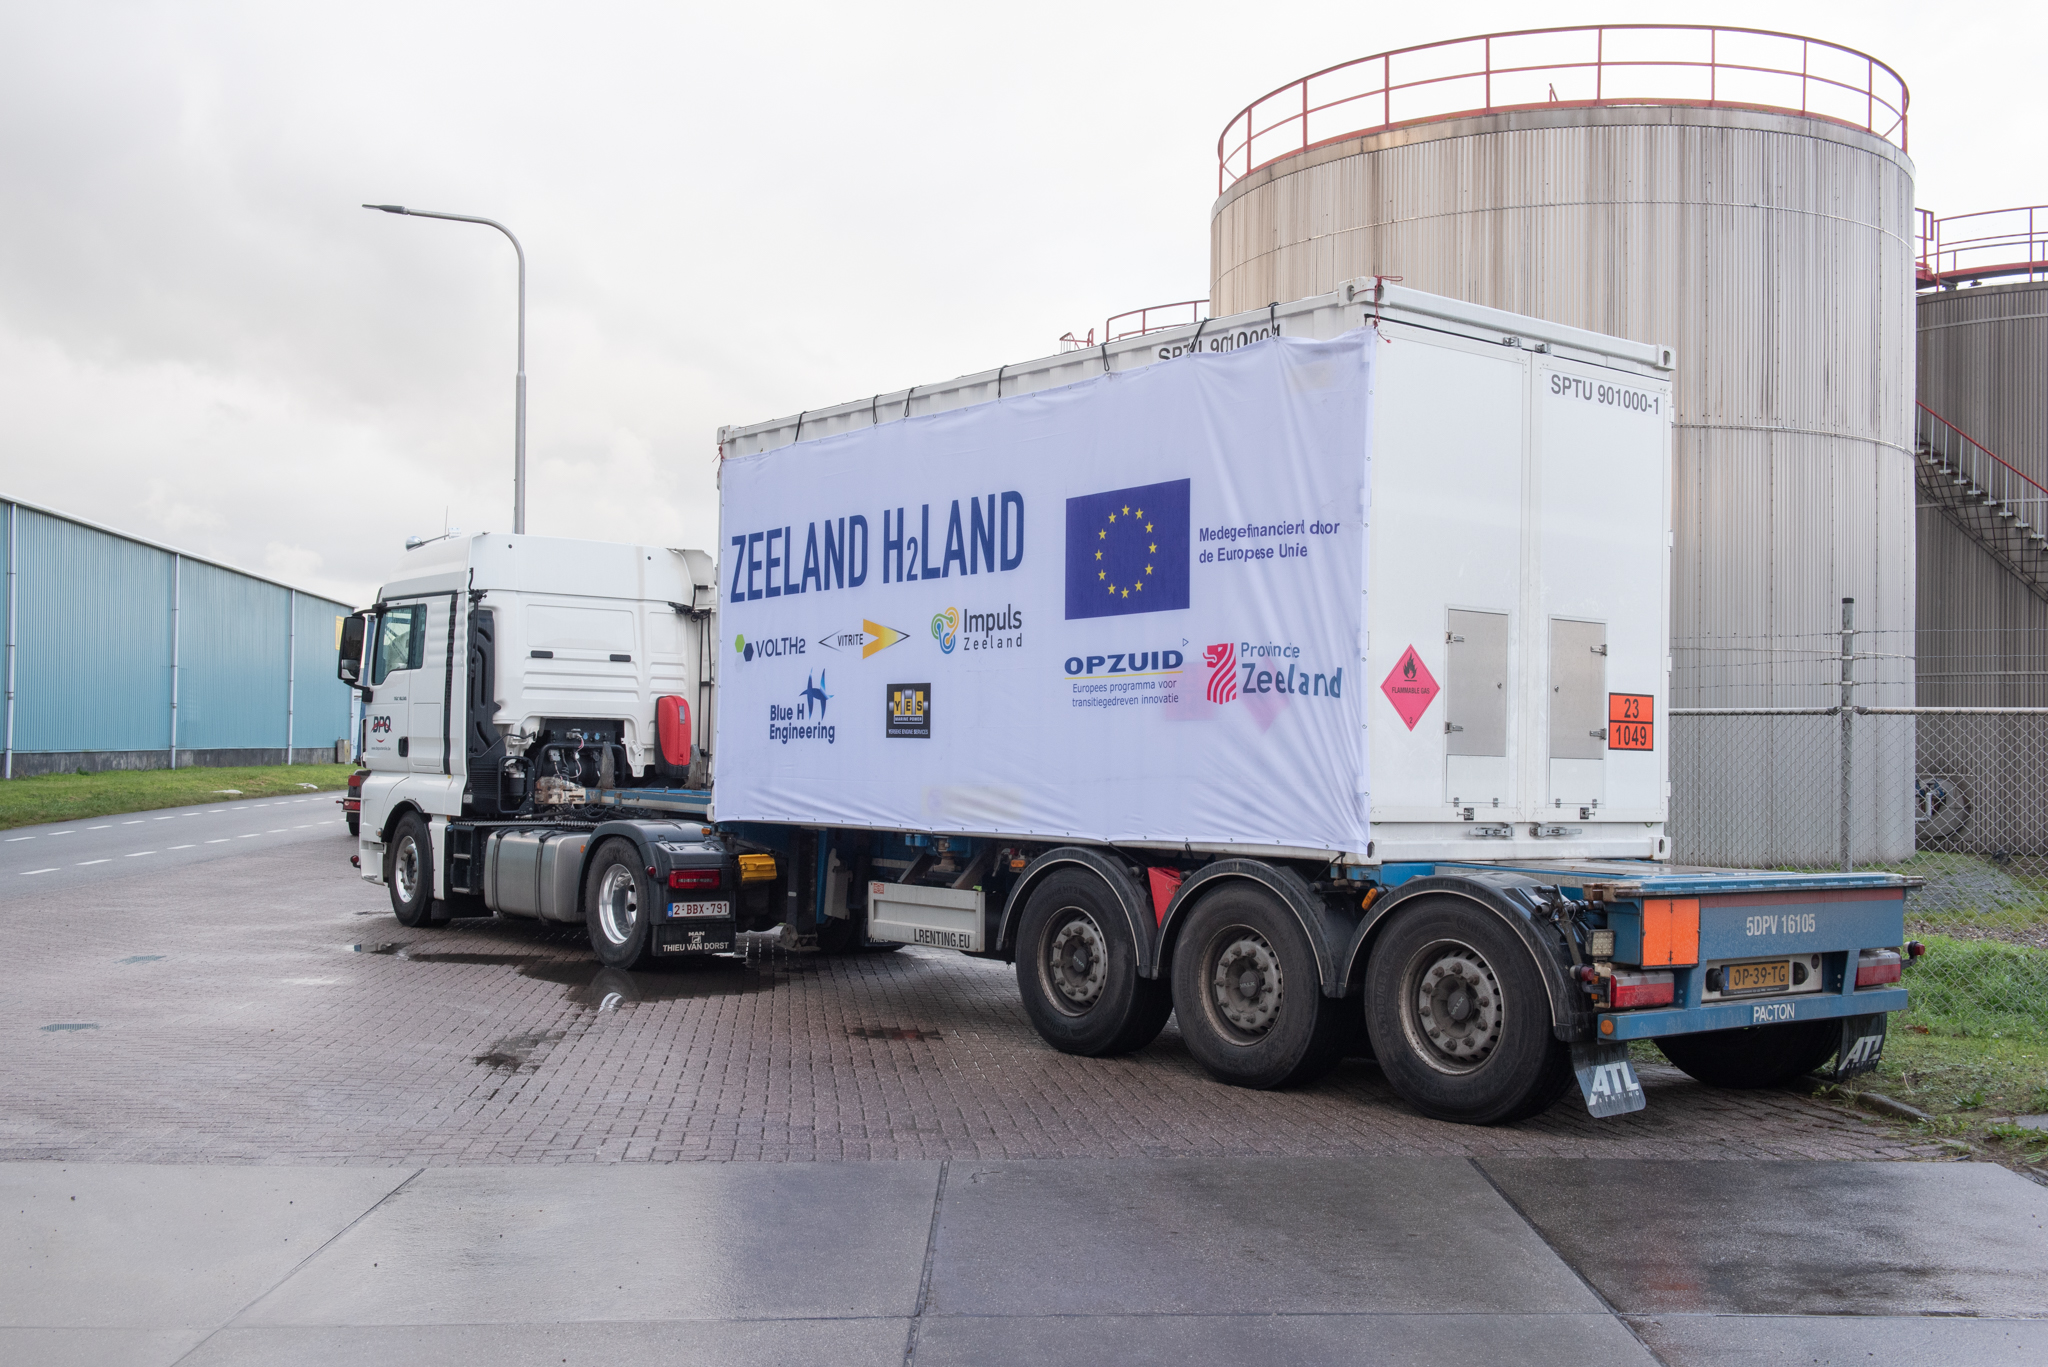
1127	551
946	629
910	711
1222	662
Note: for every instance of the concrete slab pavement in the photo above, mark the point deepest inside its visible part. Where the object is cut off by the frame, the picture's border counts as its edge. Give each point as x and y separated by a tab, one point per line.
1303	1261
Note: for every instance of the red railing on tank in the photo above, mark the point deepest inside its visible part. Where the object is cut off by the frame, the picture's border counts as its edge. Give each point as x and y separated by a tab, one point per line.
1983	245
1154	317
1567	68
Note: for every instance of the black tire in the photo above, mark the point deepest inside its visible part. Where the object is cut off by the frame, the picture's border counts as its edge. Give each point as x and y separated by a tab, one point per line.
408	870
1077	968
839	935
1755	1055
1480	1051
1249	996
619	904
355	824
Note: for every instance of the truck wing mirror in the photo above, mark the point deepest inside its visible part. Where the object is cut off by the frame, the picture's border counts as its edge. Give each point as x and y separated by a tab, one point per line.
348	665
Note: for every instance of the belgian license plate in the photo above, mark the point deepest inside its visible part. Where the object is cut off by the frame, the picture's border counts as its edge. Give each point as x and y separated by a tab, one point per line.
1740	979
678	910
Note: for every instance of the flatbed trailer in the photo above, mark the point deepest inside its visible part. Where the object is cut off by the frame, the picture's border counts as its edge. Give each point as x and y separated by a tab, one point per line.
1377	768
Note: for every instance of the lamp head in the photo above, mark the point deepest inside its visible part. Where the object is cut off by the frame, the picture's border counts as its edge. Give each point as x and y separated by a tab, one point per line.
388	208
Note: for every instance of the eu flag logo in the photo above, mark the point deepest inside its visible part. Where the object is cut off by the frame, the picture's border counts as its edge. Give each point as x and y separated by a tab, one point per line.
1127	551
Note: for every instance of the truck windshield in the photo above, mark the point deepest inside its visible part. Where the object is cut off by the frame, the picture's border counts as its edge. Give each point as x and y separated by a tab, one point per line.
401	641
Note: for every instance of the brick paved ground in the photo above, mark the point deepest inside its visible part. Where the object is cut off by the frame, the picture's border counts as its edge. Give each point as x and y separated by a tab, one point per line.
258	1036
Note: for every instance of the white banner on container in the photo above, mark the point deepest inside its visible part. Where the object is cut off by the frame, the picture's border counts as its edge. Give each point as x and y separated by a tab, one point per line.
1129	609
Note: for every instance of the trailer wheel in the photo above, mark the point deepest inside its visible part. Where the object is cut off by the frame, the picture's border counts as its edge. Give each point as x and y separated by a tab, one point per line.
618	905
1248	996
1755	1055
1077	969
1459	1019
355	825
408	870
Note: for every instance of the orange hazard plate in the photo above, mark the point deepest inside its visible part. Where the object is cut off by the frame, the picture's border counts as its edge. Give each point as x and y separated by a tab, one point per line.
1630	725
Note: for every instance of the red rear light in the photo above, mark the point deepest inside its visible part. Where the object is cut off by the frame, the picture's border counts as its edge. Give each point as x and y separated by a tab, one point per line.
1640	989
688	879
1875	967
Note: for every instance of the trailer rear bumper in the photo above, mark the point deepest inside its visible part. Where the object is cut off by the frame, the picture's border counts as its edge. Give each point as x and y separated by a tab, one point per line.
1686	1020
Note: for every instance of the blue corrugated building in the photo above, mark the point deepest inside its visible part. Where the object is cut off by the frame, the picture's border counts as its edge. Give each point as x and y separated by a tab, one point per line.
125	654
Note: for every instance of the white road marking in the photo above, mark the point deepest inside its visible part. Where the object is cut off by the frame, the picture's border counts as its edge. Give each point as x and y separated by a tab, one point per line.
139	853
88	863
222	841
12	838
99	828
184	847
250	836
136	822
172	817
277	830
27	873
307	827
55	834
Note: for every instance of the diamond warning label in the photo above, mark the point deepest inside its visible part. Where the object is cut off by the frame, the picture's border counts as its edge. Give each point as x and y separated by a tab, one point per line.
1410	687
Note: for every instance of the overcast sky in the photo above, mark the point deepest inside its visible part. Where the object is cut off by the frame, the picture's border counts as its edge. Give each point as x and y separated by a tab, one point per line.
729	212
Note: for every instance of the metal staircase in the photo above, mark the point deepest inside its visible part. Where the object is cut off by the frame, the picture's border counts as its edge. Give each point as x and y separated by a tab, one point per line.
1987	499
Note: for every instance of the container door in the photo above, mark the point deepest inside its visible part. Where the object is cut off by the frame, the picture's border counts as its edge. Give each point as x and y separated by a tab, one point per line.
1578	713
1476	772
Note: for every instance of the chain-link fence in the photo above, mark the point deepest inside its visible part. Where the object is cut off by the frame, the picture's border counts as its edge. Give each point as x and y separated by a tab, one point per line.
1849	775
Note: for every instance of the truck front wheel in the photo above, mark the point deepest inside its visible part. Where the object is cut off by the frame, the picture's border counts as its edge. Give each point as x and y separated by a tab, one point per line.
1459	1019
408	870
618	905
1755	1055
1248	996
1077	969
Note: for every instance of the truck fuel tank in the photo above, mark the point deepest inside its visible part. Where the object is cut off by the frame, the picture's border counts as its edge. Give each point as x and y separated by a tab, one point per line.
535	873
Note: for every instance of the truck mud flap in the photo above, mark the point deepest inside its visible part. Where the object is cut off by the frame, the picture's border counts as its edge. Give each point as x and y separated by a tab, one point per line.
1607	1079
1862	1045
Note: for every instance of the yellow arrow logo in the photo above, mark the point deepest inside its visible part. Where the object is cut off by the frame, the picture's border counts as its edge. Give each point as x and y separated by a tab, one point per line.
879	638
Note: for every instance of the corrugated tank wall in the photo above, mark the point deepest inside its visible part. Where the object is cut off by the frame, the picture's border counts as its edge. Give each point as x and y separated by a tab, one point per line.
1775	253
93	620
1983	367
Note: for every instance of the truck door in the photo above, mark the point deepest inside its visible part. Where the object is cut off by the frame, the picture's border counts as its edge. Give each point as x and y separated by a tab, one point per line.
434	701
395	659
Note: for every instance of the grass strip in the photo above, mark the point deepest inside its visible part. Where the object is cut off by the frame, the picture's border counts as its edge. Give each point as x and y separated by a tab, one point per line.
71	797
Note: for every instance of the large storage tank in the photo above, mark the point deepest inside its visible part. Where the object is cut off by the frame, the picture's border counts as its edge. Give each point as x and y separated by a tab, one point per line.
1745	197
1983	559
1984	372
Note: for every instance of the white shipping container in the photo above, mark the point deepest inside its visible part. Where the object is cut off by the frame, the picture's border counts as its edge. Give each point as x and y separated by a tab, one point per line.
1510	678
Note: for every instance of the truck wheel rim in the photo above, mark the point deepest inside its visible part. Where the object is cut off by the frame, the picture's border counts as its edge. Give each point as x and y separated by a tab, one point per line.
1076	962
1245	982
618	904
405	869
1451	1009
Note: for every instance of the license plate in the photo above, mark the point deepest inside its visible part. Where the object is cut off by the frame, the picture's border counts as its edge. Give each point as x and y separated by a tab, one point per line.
1740	979
682	909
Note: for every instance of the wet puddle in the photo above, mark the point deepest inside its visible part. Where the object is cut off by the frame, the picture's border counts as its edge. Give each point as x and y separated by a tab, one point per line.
597	988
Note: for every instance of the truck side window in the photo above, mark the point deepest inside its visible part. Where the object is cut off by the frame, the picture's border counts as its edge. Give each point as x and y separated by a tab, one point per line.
401	641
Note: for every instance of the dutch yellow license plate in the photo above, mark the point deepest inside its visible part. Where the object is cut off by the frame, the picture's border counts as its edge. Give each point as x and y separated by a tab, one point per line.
1741	978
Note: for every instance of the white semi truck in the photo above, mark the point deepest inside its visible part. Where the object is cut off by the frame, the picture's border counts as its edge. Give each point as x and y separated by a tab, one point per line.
1301	676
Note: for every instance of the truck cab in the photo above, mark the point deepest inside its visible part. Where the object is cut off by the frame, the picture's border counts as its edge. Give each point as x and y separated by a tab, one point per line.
519	693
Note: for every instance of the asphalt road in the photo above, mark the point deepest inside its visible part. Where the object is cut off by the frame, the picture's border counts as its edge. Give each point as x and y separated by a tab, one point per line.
77	853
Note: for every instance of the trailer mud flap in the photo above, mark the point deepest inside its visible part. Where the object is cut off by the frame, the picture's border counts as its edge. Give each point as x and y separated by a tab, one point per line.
1862	1045
1606	1078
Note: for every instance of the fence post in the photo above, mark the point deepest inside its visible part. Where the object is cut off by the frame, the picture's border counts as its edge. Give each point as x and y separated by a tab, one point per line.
1848	758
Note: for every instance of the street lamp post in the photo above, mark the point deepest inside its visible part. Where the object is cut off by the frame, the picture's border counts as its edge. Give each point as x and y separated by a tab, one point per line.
519	412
